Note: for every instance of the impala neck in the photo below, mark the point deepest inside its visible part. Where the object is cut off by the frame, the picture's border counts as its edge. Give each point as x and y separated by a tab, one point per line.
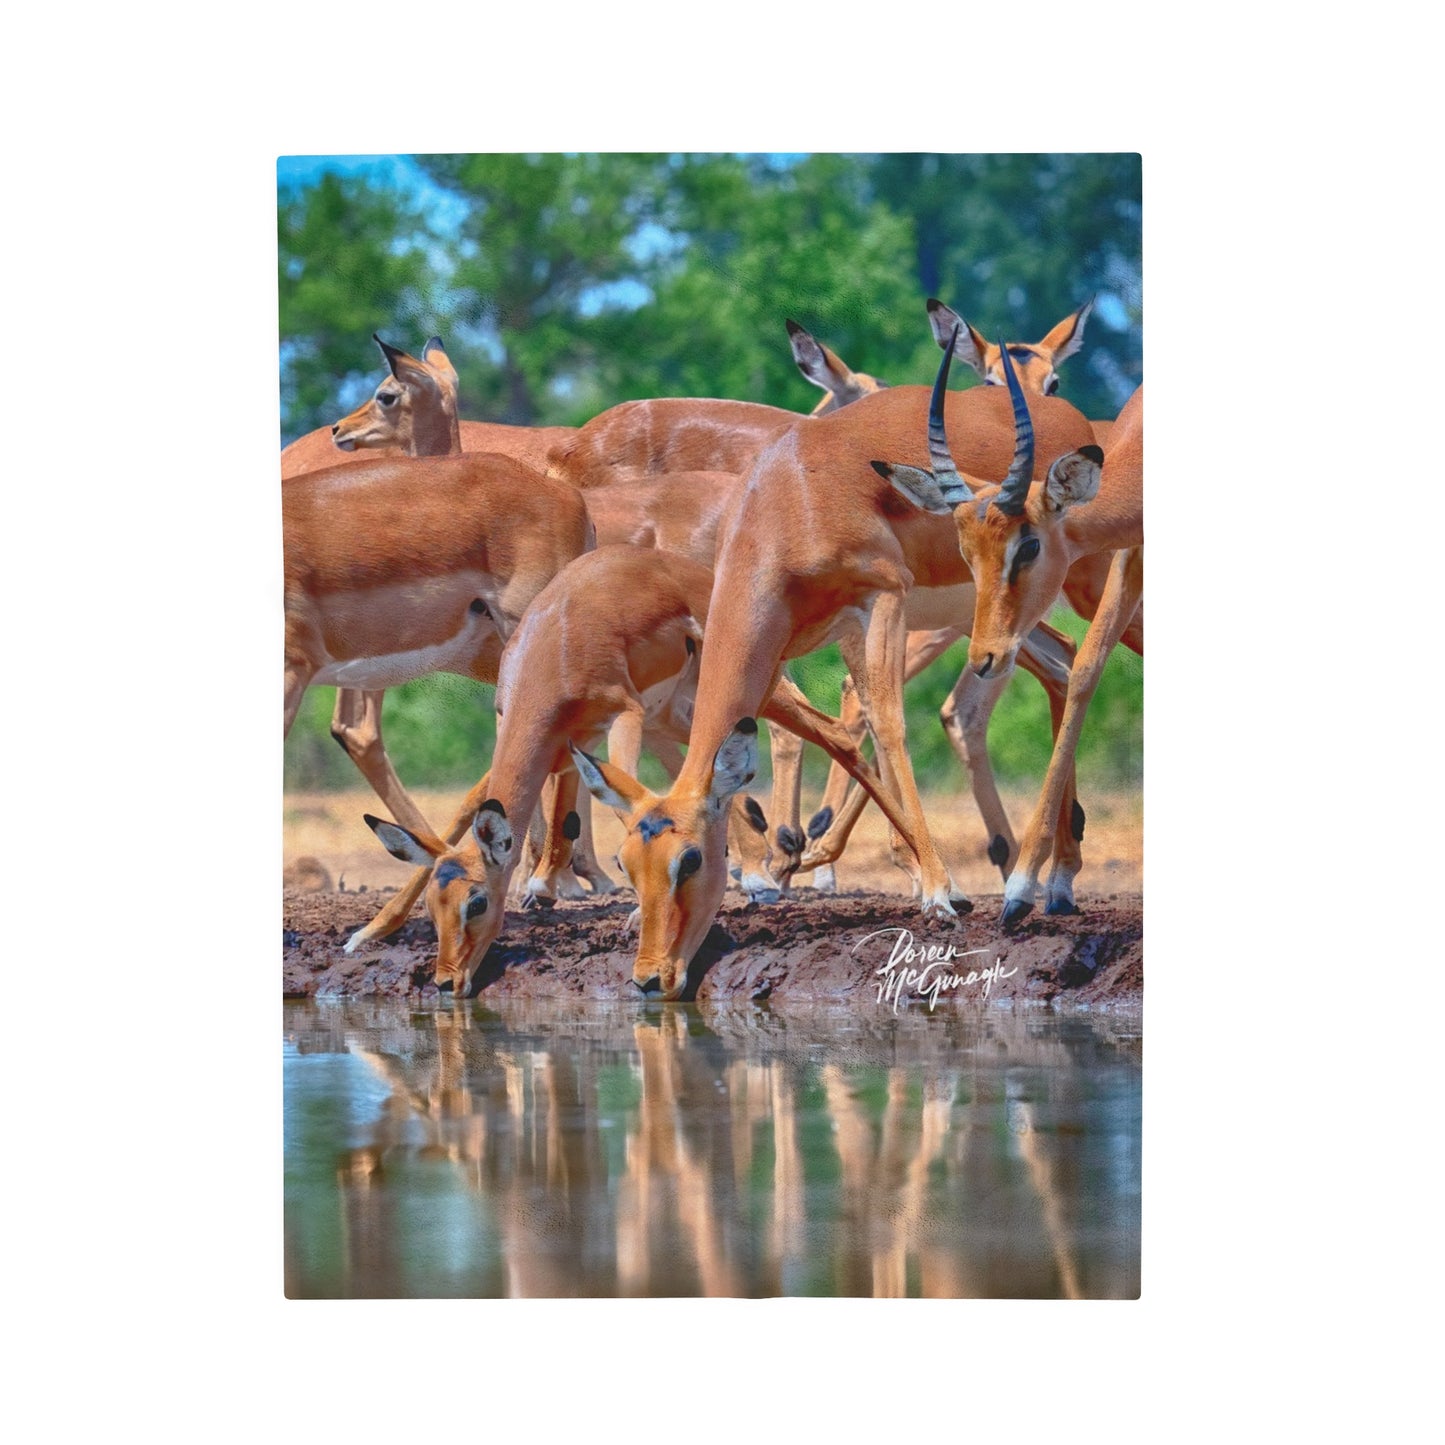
437	434
742	654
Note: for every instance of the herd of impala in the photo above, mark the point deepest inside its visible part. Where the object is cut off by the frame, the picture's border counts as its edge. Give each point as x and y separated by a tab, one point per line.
643	579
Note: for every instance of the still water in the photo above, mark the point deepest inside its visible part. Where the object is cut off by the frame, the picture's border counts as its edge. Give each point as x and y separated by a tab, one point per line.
561	1149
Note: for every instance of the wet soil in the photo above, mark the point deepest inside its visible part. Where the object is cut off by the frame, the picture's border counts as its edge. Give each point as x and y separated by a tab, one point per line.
806	948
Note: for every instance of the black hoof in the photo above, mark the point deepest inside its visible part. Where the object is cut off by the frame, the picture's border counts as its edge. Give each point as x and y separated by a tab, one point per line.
960	903
1060	908
1016	912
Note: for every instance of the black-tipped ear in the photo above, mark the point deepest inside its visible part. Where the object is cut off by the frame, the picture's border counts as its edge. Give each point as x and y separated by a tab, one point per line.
747	725
691	646
1094	454
793	327
394	356
434	343
755	817
401	843
493	805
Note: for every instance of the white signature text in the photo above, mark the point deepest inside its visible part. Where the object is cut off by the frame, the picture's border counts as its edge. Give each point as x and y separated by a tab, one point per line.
918	969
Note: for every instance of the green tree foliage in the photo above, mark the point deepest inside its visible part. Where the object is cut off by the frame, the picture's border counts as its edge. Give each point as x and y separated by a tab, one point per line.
1015	243
353	259
547	243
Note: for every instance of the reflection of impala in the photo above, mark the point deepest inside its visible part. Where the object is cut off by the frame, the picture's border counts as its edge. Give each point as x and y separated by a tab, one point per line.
1021	542
615	636
820	549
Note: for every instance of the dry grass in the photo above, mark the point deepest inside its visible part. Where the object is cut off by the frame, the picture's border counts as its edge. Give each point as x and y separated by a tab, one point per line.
328	826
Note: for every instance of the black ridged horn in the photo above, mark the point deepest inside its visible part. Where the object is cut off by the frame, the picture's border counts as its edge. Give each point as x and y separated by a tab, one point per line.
1015	489
950	483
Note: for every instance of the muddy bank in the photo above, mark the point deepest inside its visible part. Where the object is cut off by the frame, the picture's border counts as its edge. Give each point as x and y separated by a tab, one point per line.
806	949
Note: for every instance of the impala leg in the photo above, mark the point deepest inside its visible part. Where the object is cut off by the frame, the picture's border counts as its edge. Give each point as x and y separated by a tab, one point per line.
748	855
787	755
1121	596
838	789
879	674
584	851
563	825
789	707
1048	655
356	725
399	906
842	806
298	677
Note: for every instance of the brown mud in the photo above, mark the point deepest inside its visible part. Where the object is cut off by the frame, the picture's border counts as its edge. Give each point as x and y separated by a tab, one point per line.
808	948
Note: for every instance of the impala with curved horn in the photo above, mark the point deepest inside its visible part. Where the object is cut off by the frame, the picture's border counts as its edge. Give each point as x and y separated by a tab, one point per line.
1019	541
818	549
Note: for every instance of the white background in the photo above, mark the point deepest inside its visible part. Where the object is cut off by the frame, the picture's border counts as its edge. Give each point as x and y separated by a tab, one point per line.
1291	1247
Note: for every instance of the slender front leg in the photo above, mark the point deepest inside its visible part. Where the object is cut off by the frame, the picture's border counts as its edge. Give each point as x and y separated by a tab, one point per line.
356	725
542	886
584	851
1121	596
832	825
298	677
787	755
882	693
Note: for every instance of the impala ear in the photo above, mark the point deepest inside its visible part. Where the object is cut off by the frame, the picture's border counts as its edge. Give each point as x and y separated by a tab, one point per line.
1068	336
405	367
434	354
970	348
493	833
408	846
821	366
1073	478
609	785
736	762
920	487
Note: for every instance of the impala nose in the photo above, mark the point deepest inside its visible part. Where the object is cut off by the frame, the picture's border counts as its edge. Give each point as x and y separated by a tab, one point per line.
653	985
985	667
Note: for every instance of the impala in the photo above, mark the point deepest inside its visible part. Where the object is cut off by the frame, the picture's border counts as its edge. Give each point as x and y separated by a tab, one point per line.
1020	542
966	712
417	404
413	412
818	549
825	368
700	449
707	444
617	632
401	567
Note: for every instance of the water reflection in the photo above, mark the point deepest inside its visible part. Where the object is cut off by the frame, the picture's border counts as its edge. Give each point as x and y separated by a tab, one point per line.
559	1149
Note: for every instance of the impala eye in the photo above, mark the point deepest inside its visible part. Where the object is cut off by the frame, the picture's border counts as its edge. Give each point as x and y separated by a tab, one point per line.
688	864
1027	551
1052	386
476	906
387	400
